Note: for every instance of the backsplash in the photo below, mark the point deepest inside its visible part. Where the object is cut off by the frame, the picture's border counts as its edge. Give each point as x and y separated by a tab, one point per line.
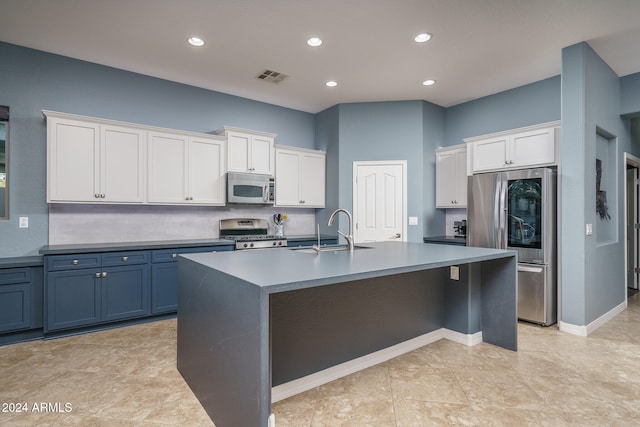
451	216
77	224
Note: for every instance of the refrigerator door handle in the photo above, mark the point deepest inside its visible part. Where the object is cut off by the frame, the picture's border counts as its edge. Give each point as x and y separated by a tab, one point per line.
501	192
529	269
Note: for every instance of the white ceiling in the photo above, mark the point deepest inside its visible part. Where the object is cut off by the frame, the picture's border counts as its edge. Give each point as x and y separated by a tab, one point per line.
479	47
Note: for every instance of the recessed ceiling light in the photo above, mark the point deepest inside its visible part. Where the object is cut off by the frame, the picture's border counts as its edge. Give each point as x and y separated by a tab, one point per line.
195	41
421	38
429	82
314	42
331	83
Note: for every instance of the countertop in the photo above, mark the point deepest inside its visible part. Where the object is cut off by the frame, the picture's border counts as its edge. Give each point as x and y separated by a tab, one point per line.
23	261
282	270
149	245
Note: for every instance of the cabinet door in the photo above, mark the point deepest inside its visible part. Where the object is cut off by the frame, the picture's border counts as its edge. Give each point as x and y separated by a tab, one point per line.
490	154
73	161
15	307
461	179
167	168
287	178
532	148
238	146
125	292
122	164
312	180
446	189
206	172
261	156
164	297
73	298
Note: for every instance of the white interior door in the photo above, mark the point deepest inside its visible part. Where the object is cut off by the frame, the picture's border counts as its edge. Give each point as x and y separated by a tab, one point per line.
379	202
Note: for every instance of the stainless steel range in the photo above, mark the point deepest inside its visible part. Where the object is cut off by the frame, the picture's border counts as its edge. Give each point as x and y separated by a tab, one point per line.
250	233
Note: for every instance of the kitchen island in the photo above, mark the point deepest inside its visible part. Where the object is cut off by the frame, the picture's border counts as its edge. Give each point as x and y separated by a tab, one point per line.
249	321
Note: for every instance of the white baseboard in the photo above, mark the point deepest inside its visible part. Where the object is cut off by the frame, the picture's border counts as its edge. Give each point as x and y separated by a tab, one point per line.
587	330
325	376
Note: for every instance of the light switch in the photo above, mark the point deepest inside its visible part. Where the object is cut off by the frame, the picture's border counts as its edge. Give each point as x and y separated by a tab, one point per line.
23	222
413	220
589	229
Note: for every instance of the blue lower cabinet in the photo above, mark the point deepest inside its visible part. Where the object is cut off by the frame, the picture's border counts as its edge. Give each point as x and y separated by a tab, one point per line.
164	276
15	299
73	298
20	303
125	292
165	287
83	290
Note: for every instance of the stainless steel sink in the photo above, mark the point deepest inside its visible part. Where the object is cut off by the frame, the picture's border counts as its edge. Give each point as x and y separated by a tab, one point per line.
328	248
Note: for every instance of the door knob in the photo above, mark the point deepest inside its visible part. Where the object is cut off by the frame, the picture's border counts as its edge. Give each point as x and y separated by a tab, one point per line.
396	236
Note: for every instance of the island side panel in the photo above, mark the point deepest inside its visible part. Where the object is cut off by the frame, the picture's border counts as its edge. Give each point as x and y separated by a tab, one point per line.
223	344
500	302
462	299
315	328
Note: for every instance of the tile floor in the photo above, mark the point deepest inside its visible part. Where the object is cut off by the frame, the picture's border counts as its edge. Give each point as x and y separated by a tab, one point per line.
127	377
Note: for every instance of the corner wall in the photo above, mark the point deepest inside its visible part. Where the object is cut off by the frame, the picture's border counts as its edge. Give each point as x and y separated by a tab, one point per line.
592	274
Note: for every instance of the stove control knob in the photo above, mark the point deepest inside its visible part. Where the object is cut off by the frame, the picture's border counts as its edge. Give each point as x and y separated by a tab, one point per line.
280	243
275	243
251	245
245	245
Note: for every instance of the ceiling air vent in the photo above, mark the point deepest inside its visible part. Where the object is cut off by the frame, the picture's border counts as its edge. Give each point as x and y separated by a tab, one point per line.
271	76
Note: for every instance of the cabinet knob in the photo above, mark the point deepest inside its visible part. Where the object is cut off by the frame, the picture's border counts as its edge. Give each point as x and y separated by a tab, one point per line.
104	274
174	255
510	162
97	196
98	275
125	258
102	196
506	162
75	262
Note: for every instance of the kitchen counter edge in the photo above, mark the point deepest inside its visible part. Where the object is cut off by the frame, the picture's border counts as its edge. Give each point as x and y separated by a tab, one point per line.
150	245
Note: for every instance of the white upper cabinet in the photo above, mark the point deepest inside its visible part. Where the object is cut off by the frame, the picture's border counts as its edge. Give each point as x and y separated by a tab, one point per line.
451	177
300	177
249	151
89	161
185	169
92	160
527	147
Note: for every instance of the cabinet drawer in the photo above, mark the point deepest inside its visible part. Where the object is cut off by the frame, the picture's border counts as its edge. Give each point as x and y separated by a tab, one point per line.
15	275
113	259
171	255
72	262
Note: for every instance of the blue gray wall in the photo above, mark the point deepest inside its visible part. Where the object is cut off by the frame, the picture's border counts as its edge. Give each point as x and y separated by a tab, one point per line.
33	80
405	130
592	267
523	106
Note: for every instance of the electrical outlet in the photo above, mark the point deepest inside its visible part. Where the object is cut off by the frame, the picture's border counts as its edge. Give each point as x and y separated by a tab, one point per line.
23	222
455	272
413	220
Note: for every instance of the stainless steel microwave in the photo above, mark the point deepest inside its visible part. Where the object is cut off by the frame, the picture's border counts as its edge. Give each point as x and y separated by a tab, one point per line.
251	188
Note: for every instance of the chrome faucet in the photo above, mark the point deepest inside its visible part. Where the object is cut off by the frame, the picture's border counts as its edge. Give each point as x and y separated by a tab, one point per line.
348	237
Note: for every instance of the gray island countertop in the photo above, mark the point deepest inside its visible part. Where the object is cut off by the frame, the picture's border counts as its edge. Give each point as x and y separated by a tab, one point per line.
288	269
263	324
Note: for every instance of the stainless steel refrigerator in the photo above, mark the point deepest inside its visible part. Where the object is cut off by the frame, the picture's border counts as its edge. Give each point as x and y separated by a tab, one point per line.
517	210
